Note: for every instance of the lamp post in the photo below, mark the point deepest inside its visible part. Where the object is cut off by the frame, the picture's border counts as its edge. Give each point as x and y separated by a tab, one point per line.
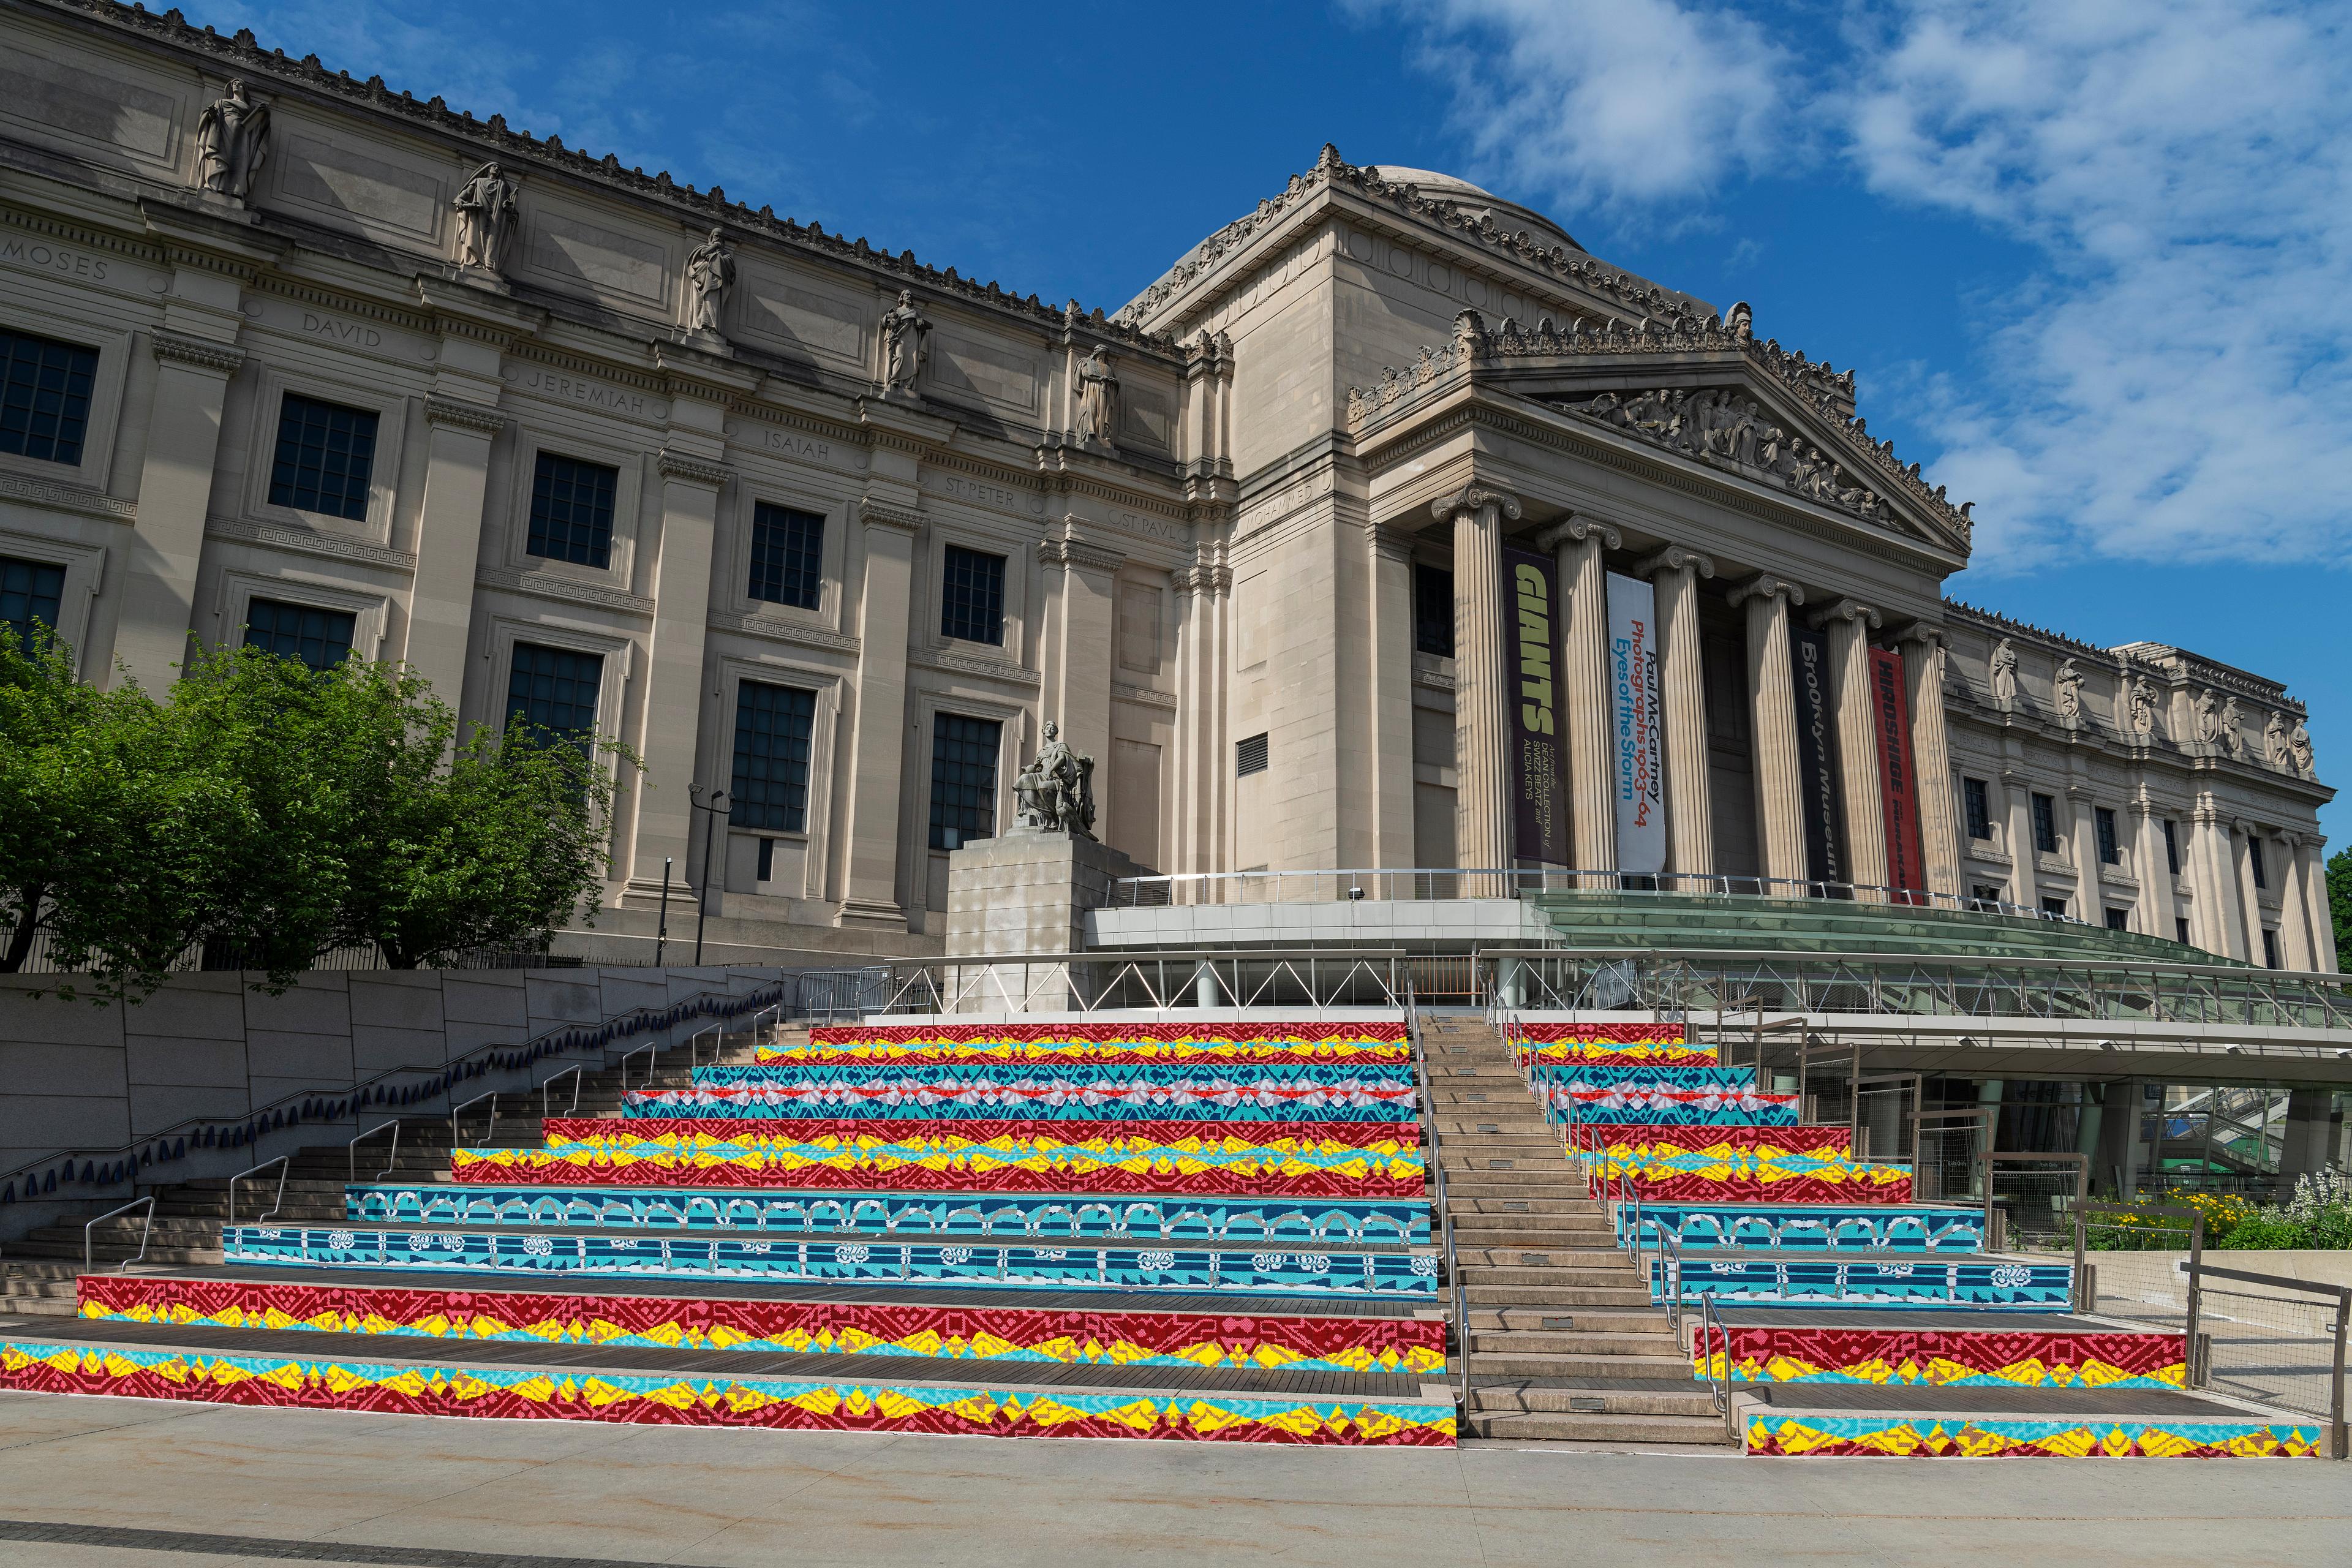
661	928
716	806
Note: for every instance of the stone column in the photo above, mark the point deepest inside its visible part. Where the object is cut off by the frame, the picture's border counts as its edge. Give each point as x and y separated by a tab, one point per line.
449	540
1931	759
2215	882
1673	574
1392	661
2090	903
1849	625
2298	945
1075	660
175	488
2024	884
2241	838
1771	687
674	701
2314	891
1201	765
1584	695
1482	814
2153	916
877	721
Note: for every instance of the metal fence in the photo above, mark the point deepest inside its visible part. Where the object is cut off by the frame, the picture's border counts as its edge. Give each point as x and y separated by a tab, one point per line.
1149	981
215	955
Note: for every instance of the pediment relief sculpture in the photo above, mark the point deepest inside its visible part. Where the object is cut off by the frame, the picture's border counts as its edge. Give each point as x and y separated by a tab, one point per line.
1721	424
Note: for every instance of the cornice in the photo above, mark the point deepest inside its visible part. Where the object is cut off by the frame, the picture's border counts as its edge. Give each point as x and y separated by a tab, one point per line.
1145	695
142	249
1003	669
310	541
692	470
1066	551
439	410
880	514
753	623
66	498
548	586
340	303
1845	610
199	353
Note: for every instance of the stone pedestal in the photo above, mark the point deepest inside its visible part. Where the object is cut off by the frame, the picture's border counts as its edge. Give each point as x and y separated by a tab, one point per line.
1025	893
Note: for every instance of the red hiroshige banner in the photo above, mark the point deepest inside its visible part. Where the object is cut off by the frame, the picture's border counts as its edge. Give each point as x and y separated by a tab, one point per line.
1898	785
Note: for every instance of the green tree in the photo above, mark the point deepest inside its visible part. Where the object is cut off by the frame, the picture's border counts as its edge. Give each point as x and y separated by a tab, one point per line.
2339	903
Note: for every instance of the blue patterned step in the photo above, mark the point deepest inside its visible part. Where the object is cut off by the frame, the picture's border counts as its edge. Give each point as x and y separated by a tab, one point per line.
1899	1228
510	1255
1208	1071
783	1212
1765	1279
1563	1075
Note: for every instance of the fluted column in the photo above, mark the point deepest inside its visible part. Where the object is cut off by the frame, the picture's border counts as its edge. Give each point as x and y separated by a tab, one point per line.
2219	928
675	700
1673	574
1772	691
2315	894
1390	638
1482	807
1584	694
1931	759
2023	854
1849	625
2153	916
176	487
2250	901
2298	944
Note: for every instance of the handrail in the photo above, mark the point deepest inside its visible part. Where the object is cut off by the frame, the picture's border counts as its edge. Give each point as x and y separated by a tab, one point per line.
2339	1438
1670	1265
145	1230
450	1070
456	1110
285	1163
1444	1209
577	1073
1710	1327
694	1044
392	1155
645	1051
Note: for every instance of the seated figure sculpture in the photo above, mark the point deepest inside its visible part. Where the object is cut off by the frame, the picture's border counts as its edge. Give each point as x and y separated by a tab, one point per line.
1055	792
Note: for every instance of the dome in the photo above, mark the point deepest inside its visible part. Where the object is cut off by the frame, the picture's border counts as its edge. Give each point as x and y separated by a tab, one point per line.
1476	201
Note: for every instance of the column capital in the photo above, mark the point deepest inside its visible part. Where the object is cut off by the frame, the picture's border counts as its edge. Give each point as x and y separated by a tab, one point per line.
1474	498
879	514
1845	610
1068	550
1198	579
693	470
197	353
1575	528
1675	558
1926	633
2241	825
1764	586
474	416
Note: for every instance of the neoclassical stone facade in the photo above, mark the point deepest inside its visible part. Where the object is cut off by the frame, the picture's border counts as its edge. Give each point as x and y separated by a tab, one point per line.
1313	548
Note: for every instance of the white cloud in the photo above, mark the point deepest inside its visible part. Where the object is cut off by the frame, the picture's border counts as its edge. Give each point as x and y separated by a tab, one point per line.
2173	382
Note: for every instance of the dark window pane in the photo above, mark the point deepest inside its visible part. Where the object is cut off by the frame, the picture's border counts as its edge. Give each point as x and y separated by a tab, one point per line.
2254	859
319	638
963	779
2180	932
44	397
553	689
324	454
2115	918
772	757
2110	852
2045	825
787	556
1249	755
571	511
30	591
971	597
1979	800
2270	950
2171	847
1433	611
2056	907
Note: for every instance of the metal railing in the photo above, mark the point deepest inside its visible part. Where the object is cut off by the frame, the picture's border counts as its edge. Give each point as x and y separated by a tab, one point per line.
577	1072
2340	1441
89	1266
456	1112
1444	1210
1392	883
1159	981
392	1155
285	1163
1715	1339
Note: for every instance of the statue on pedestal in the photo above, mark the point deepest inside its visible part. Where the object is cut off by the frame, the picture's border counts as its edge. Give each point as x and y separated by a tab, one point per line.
486	218
2004	674
1055	792
1098	401
2068	689
232	140
709	274
906	341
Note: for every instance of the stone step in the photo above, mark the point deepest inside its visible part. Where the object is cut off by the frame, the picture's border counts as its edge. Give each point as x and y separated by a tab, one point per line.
1581	1322
105	1253
1603	1430
1661	1346
1590	1396
1578	1206
1572	1232
1488	1183
1540	1259
1475	1274
1486	1364
1553	1296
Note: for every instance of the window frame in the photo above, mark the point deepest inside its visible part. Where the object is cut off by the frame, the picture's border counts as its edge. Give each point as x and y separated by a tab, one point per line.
350	646
929	819
85	568
2171	847
735	792
2110	839
1976	808
948	550
57	615
82	449
113	346
823	575
238	588
1421	571
529	521
581	445
2043	809
286	397
262	411
2256	863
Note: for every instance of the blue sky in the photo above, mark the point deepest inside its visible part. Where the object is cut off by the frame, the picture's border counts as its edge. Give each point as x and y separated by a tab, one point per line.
2092	260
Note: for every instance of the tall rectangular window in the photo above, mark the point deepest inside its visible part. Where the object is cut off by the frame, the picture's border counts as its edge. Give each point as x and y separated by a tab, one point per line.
553	689
2255	860
971	597
963	779
2117	919
2181	930
1977	800
2054	908
772	756
2270	950
787	556
44	397
325	453
2045	825
2171	847
2110	852
1433	611
571	511
319	638
31	591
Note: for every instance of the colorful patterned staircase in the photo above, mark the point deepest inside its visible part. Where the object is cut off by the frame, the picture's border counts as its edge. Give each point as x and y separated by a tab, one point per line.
1865	1325
735	1251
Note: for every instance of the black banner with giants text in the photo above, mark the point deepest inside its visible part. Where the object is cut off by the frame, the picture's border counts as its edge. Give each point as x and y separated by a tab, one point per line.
1530	666
1817	784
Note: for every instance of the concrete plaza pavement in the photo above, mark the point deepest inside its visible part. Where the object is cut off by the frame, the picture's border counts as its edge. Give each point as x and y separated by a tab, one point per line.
136	1482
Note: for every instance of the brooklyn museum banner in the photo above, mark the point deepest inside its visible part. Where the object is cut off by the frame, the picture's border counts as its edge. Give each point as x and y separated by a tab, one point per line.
1816	761
1899	788
1634	694
1531	659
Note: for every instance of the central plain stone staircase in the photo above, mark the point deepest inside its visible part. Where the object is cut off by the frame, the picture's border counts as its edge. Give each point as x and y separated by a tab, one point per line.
1564	1343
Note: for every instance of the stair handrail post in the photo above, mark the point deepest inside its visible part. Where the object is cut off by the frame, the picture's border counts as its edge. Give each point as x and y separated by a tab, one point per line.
90	1267
391	1158
285	1166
